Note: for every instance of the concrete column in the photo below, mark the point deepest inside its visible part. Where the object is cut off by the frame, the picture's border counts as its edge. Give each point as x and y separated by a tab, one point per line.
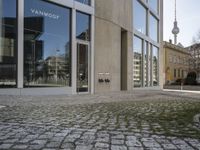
20	44
74	52
130	56
92	55
143	62
161	51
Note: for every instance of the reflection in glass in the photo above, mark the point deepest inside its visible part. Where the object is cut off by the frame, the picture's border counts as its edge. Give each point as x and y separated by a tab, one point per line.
8	51
82	68
137	62
87	2
140	15
153	28
46	45
155	65
82	26
154	5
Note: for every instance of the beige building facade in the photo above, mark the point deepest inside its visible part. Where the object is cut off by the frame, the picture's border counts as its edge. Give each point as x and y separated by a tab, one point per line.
176	62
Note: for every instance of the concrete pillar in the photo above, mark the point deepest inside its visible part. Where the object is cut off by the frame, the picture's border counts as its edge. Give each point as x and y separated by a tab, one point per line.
20	45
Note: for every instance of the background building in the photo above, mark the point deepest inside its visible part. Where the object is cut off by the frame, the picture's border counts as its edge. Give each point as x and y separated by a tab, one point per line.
75	46
194	50
176	62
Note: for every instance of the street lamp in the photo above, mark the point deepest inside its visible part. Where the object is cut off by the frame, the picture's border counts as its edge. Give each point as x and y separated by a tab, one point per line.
57	51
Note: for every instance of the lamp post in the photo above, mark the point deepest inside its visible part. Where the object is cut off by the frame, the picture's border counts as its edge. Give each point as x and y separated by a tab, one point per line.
57	51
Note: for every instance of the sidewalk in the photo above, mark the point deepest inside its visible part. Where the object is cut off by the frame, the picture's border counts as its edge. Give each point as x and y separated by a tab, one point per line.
183	91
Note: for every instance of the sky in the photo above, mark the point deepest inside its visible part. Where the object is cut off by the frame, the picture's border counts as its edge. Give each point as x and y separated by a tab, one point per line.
188	17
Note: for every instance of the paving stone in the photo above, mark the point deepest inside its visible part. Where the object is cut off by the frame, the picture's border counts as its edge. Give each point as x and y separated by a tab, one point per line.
116	147
169	146
82	147
5	146
35	147
105	140
101	145
151	145
20	147
53	144
100	122
118	137
68	145
11	141
26	140
117	142
39	142
135	148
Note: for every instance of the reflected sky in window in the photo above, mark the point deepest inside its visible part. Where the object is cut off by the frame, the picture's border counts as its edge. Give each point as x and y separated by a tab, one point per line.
139	14
154	5
137	44
52	23
82	26
153	28
87	2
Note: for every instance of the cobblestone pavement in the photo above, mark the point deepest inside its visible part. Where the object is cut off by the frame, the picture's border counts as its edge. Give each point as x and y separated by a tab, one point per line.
150	120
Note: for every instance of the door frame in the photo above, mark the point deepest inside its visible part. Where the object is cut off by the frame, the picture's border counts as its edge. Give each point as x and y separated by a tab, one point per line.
89	65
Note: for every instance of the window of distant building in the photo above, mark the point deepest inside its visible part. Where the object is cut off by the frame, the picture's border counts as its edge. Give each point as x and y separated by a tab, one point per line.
174	73
182	73
179	73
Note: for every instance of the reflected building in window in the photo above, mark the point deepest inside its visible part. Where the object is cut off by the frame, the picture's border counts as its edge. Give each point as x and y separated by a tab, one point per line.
8	51
150	47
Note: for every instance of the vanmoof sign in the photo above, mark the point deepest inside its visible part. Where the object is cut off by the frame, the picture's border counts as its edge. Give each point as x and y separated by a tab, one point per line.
44	13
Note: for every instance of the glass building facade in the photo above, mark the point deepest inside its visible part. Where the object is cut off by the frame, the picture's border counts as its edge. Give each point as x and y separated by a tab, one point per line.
48	43
53	45
47	50
146	44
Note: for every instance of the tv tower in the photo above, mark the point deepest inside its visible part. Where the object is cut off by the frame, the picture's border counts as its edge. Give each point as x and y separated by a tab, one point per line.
175	30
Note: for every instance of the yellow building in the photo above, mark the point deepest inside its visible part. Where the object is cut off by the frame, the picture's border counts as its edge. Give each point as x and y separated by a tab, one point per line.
176	62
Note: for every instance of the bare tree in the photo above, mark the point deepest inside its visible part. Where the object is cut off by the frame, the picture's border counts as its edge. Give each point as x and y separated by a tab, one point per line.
194	50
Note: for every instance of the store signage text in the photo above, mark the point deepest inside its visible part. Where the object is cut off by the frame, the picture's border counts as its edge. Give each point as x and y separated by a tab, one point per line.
44	13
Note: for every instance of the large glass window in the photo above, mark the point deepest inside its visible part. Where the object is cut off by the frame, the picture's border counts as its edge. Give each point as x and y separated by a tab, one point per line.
155	65
47	52
87	2
8	51
153	28
82	26
140	15
137	62
154	5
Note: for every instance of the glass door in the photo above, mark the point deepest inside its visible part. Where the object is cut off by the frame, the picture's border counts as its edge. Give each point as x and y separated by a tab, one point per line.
82	67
